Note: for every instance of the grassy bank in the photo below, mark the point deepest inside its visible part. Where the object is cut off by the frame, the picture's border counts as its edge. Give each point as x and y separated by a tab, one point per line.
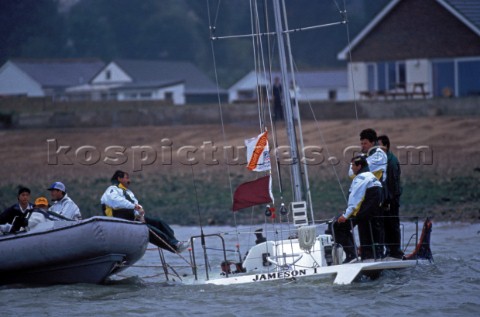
176	199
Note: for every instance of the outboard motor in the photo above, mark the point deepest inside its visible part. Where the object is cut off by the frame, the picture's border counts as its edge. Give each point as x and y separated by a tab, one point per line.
259	235
337	254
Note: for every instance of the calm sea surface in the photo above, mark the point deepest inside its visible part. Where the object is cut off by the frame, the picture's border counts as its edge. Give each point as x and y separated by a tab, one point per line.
449	287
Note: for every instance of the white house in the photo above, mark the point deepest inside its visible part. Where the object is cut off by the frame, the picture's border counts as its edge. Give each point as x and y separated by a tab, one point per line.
175	82
40	78
417	49
91	79
114	83
311	86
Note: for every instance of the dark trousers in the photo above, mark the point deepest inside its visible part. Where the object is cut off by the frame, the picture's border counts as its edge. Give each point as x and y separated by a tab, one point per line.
277	110
369	233
370	228
392	229
160	233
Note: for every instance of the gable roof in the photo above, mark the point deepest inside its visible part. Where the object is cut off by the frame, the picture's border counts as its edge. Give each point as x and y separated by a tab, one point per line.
60	72
466	11
145	72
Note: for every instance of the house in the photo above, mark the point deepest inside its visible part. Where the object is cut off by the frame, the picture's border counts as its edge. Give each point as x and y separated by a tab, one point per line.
175	82
417	49
311	86
41	78
92	79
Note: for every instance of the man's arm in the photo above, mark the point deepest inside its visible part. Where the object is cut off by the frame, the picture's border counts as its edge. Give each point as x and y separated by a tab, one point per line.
356	196
70	210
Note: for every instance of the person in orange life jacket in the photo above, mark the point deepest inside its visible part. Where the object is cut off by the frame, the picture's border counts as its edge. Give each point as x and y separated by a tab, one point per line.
392	203
119	201
363	209
18	210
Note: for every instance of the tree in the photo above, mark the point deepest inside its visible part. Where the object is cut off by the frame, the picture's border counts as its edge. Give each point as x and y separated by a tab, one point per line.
30	28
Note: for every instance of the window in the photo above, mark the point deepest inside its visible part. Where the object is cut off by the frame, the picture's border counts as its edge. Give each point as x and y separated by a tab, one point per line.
469	78
332	95
145	95
443	73
456	77
371	77
382	81
131	96
108	74
389	75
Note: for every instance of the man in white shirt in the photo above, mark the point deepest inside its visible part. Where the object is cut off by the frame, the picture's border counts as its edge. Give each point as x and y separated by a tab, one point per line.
119	201
376	157
364	210
63	205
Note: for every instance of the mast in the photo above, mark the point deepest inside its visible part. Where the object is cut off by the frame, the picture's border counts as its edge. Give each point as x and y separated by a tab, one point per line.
295	165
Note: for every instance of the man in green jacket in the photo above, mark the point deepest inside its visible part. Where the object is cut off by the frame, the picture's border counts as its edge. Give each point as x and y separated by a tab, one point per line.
392	203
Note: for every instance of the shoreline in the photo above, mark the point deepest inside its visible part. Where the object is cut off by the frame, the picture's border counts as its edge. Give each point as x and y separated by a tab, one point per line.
445	186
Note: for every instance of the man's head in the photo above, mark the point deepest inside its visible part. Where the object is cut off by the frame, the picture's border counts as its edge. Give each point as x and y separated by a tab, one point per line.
384	141
368	138
57	190
358	163
23	195
121	177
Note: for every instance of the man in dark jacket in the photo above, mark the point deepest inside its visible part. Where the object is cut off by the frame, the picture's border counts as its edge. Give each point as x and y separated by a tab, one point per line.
18	210
277	99
392	203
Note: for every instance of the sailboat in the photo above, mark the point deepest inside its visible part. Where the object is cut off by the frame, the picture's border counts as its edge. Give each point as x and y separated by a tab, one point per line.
303	252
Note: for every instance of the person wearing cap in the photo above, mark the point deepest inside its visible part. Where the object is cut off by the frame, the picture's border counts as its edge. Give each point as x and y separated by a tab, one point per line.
119	201
39	213
364	211
63	205
18	210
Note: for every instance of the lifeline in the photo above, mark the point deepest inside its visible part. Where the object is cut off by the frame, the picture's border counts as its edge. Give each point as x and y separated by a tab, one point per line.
278	275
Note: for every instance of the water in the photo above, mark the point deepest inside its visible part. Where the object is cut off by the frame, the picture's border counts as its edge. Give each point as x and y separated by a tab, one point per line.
450	287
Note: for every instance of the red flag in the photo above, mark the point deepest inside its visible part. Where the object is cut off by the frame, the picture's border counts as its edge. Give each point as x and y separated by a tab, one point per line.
252	193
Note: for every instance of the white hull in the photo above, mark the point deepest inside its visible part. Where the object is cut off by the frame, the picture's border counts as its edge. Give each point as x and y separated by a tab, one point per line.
291	260
342	274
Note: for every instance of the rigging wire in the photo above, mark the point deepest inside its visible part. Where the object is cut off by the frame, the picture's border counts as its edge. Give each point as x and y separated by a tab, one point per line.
261	74
350	59
224	135
308	190
259	62
298	119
